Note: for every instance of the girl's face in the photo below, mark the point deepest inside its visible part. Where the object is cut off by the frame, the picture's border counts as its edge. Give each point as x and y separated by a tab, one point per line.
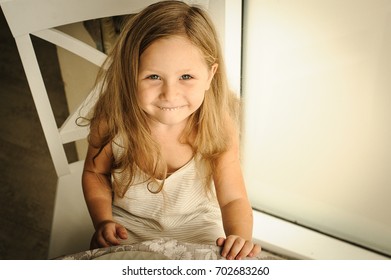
173	78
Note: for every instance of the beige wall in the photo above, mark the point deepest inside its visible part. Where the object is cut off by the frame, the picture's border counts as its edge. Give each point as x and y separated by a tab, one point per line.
317	133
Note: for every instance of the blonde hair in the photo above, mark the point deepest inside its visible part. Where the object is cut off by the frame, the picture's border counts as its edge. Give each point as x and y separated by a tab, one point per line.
117	111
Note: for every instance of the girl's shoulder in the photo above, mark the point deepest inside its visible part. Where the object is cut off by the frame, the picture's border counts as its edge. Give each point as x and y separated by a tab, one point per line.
99	133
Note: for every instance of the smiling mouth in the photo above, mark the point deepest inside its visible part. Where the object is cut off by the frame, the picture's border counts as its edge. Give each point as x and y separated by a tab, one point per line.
170	108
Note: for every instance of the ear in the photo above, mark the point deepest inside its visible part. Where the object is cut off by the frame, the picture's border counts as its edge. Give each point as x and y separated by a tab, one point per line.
212	72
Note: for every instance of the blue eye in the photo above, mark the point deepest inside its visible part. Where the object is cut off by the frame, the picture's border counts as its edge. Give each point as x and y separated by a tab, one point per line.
154	77
186	77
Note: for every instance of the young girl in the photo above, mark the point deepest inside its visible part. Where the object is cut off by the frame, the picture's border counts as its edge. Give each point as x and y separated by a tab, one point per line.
163	156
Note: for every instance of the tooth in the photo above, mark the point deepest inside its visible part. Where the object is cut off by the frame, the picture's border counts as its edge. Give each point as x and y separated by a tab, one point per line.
169	109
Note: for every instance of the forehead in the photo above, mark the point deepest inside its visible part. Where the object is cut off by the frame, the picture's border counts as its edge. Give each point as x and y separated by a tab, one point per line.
172	49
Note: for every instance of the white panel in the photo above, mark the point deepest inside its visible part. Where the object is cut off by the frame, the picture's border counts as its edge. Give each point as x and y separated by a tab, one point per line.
62	12
42	104
72	227
297	242
65	12
227	17
73	45
317	119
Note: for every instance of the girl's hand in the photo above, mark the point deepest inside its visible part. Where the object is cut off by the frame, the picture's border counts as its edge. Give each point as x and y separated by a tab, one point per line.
107	234
236	247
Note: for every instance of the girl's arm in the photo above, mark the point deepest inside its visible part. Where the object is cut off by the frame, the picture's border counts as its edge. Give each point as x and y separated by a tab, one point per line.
235	206
96	182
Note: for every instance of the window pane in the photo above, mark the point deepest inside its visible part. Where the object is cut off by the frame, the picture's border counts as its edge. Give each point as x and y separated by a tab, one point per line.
317	127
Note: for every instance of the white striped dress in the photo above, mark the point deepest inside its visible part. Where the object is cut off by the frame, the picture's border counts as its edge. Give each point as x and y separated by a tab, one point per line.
181	211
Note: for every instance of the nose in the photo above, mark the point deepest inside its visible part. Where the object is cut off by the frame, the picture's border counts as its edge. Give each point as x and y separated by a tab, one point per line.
169	91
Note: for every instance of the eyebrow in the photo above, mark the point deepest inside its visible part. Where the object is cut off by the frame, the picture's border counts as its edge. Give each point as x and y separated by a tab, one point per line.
156	71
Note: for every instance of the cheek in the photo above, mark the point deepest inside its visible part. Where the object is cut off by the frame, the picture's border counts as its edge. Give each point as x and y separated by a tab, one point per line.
139	94
142	99
144	94
198	98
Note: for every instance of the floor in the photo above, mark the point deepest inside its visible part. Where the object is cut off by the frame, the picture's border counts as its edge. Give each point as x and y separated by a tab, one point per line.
27	175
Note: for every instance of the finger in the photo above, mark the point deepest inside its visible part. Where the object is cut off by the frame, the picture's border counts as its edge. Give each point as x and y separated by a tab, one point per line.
101	241
110	238
121	232
228	242
255	251
235	248
245	251
220	241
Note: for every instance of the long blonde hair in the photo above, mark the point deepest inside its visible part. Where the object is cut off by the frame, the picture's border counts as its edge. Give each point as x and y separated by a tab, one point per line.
117	111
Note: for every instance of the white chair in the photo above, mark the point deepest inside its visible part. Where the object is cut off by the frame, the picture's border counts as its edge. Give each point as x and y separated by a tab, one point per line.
72	227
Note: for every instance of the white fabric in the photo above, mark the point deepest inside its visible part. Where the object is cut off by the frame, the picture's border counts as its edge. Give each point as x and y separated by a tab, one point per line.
181	211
